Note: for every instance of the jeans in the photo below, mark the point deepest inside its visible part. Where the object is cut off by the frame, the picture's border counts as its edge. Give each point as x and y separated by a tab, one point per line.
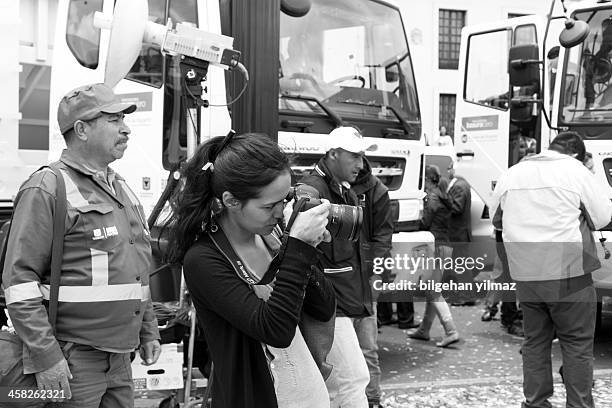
297	380
573	319
99	379
348	381
367	334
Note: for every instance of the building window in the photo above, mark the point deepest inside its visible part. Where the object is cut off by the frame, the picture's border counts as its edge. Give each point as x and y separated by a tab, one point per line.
447	113
450	24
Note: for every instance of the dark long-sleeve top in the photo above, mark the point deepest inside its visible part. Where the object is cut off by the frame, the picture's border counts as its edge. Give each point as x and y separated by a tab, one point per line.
236	322
458	200
436	215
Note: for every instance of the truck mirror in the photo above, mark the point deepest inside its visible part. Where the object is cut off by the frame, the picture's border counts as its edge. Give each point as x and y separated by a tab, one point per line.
574	33
523	65
521	110
295	8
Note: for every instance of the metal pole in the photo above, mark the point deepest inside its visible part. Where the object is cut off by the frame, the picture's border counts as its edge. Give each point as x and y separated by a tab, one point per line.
192	319
192	141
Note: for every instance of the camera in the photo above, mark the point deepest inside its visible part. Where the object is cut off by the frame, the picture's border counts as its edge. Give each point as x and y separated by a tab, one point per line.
344	221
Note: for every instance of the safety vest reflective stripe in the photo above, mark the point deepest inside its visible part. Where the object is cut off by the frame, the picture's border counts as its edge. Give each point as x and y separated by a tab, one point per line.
109	293
99	268
73	195
22	291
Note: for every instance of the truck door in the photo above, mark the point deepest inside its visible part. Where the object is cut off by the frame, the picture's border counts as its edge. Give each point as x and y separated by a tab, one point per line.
492	133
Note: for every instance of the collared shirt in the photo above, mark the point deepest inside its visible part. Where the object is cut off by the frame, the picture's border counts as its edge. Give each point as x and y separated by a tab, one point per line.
107	177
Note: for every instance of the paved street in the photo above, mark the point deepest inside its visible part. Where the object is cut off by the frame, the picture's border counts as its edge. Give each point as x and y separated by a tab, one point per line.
482	370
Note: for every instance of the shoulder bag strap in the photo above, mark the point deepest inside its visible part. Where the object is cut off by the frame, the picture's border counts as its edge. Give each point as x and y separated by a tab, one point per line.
57	249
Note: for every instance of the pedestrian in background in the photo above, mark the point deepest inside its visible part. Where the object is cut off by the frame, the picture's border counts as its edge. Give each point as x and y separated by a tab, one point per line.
375	242
547	207
458	199
104	305
356	328
435	219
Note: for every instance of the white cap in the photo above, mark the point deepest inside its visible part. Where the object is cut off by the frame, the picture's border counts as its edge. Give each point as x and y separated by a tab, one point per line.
349	139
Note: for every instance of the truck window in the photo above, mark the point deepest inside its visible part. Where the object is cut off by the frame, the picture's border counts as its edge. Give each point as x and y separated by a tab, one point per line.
148	68
525	34
487	80
353	56
587	74
82	37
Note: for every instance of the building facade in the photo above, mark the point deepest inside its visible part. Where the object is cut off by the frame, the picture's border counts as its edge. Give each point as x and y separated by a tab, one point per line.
434	34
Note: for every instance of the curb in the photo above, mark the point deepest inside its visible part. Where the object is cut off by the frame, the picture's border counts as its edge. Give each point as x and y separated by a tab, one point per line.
477	381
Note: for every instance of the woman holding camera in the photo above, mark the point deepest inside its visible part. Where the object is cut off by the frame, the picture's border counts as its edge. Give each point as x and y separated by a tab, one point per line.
232	201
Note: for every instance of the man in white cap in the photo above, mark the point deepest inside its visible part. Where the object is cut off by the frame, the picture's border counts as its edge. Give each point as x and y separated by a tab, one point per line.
343	176
104	304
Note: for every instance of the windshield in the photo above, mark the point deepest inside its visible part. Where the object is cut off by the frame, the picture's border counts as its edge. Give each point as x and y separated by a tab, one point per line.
351	55
587	94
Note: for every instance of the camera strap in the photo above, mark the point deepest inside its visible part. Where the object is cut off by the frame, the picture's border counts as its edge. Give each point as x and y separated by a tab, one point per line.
277	241
225	247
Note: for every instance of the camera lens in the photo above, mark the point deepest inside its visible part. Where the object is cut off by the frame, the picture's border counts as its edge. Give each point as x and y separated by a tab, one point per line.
344	222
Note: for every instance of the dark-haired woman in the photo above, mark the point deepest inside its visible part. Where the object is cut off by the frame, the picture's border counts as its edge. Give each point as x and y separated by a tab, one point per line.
236	186
435	219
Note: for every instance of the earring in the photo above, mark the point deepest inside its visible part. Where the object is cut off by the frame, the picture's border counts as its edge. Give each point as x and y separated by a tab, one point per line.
213	225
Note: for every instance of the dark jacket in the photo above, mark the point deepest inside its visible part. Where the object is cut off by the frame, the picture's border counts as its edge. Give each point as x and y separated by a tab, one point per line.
348	264
236	322
436	216
377	228
458	199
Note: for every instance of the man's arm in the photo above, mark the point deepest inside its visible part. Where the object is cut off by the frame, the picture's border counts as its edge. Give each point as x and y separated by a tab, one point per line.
457	198
149	336
28	258
382	221
495	208
597	206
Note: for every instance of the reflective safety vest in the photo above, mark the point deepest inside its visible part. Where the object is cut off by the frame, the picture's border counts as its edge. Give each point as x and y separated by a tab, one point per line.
104	297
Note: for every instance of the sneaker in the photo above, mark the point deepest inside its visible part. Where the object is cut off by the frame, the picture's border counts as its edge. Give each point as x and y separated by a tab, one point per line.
487	316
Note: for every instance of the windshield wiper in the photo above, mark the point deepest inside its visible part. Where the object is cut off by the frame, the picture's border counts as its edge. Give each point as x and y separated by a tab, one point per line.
405	124
591	110
329	111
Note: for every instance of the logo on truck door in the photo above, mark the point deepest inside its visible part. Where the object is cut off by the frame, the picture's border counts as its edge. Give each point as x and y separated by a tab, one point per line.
476	123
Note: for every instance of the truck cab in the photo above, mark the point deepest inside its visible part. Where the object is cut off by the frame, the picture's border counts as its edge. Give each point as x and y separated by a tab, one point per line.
515	100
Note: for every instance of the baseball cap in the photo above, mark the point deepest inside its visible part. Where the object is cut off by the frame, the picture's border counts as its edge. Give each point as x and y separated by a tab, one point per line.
88	102
349	139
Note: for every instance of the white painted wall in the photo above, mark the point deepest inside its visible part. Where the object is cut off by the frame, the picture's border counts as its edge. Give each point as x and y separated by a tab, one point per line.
421	23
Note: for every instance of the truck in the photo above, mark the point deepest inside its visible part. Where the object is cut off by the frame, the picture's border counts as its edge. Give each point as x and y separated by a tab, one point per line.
525	80
356	70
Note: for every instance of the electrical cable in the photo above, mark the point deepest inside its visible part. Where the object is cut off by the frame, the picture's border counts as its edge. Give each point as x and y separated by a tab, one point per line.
245	74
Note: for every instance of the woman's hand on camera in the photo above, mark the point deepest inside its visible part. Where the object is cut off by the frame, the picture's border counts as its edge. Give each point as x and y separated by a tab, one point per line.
309	226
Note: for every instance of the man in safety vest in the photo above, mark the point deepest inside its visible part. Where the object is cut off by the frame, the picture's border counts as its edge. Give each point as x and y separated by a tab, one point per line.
104	304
